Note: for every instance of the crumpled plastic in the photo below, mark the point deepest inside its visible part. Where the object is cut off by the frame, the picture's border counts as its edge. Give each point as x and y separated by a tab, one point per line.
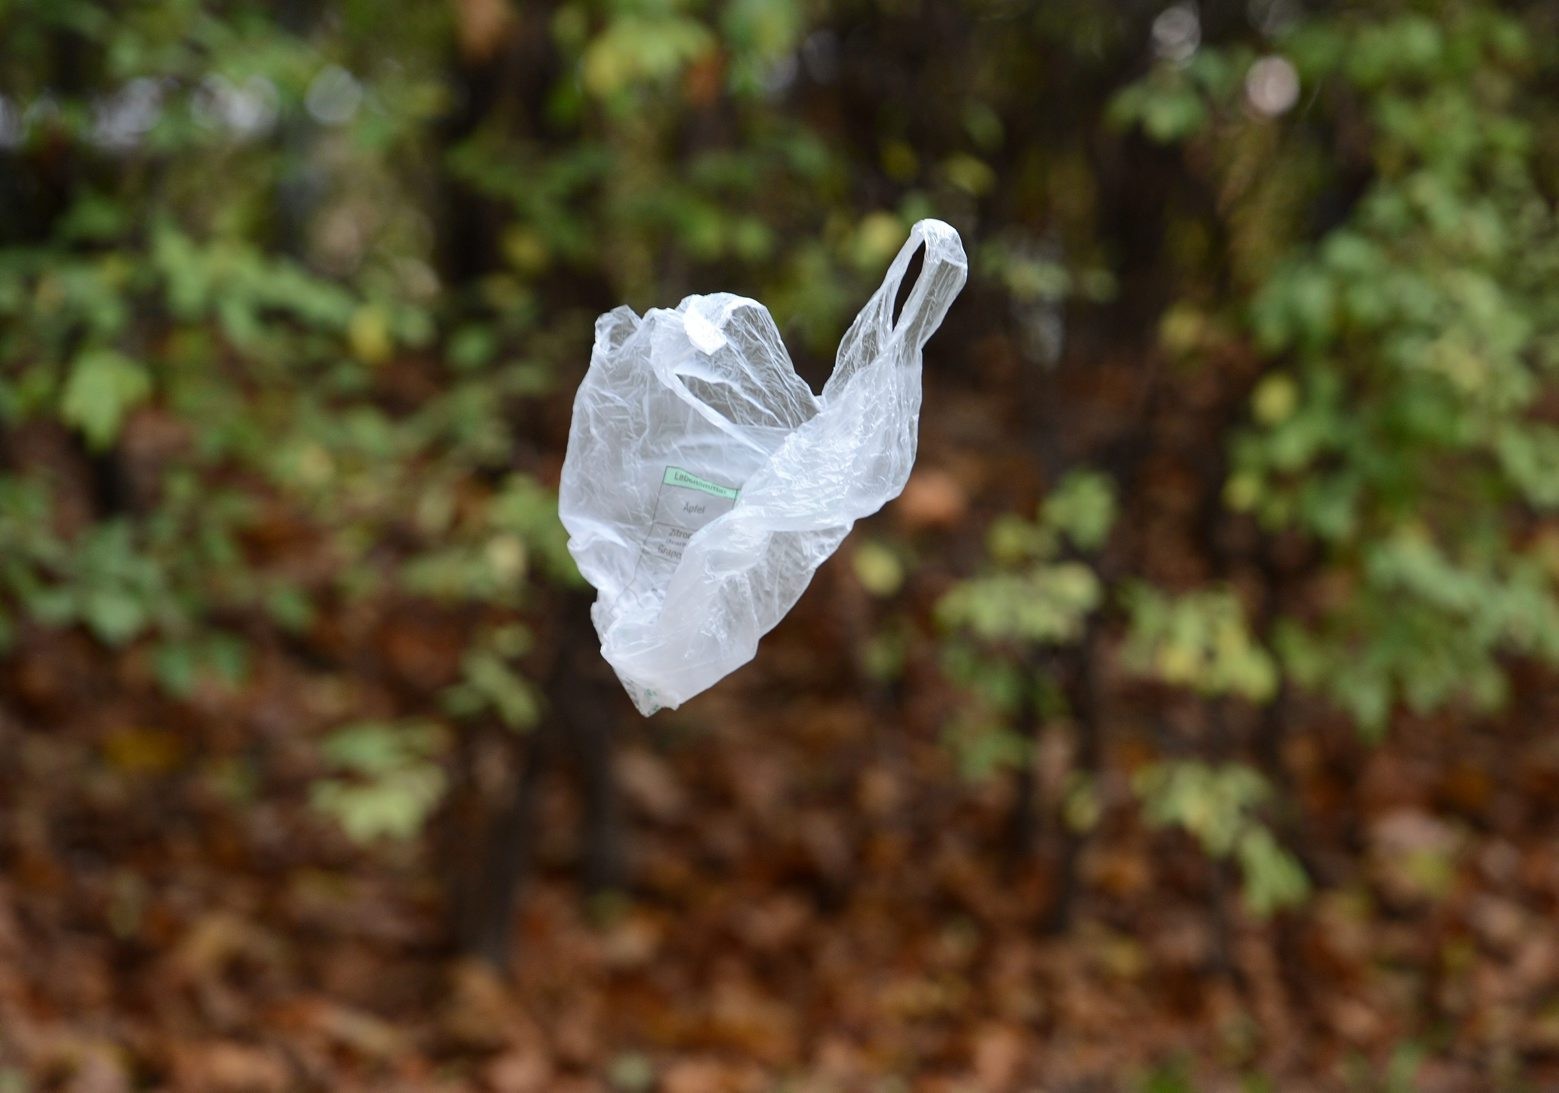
705	482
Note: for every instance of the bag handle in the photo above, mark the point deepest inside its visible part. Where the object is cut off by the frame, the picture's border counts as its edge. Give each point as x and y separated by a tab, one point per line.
874	332
942	273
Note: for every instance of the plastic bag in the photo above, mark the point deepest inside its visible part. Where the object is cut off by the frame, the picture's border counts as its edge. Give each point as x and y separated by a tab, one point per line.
705	482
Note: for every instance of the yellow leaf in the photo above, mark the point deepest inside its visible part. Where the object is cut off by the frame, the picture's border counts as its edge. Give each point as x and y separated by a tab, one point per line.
525	250
878	569
878	238
142	751
369	333
1274	399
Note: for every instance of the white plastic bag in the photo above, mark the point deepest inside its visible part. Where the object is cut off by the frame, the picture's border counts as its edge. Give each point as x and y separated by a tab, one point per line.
705	482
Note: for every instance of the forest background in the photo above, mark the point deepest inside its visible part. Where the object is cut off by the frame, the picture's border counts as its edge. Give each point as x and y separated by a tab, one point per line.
1188	722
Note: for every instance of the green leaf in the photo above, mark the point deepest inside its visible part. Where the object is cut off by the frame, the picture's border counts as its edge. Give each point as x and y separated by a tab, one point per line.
177	667
114	615
103	387
388	778
878	568
1082	508
1273	878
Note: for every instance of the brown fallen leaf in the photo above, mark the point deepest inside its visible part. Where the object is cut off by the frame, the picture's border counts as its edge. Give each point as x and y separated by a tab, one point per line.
932	500
520	1070
229	1067
999	1052
650	785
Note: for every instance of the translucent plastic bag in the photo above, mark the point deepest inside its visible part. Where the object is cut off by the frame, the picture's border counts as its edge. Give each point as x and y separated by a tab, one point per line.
705	482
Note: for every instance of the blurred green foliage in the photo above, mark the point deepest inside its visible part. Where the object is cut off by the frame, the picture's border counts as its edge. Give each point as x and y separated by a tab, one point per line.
1403	429
1385	202
383	780
1217	806
1039	593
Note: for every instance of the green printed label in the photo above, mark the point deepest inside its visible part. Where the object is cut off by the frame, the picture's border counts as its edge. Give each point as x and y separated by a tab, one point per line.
676	476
